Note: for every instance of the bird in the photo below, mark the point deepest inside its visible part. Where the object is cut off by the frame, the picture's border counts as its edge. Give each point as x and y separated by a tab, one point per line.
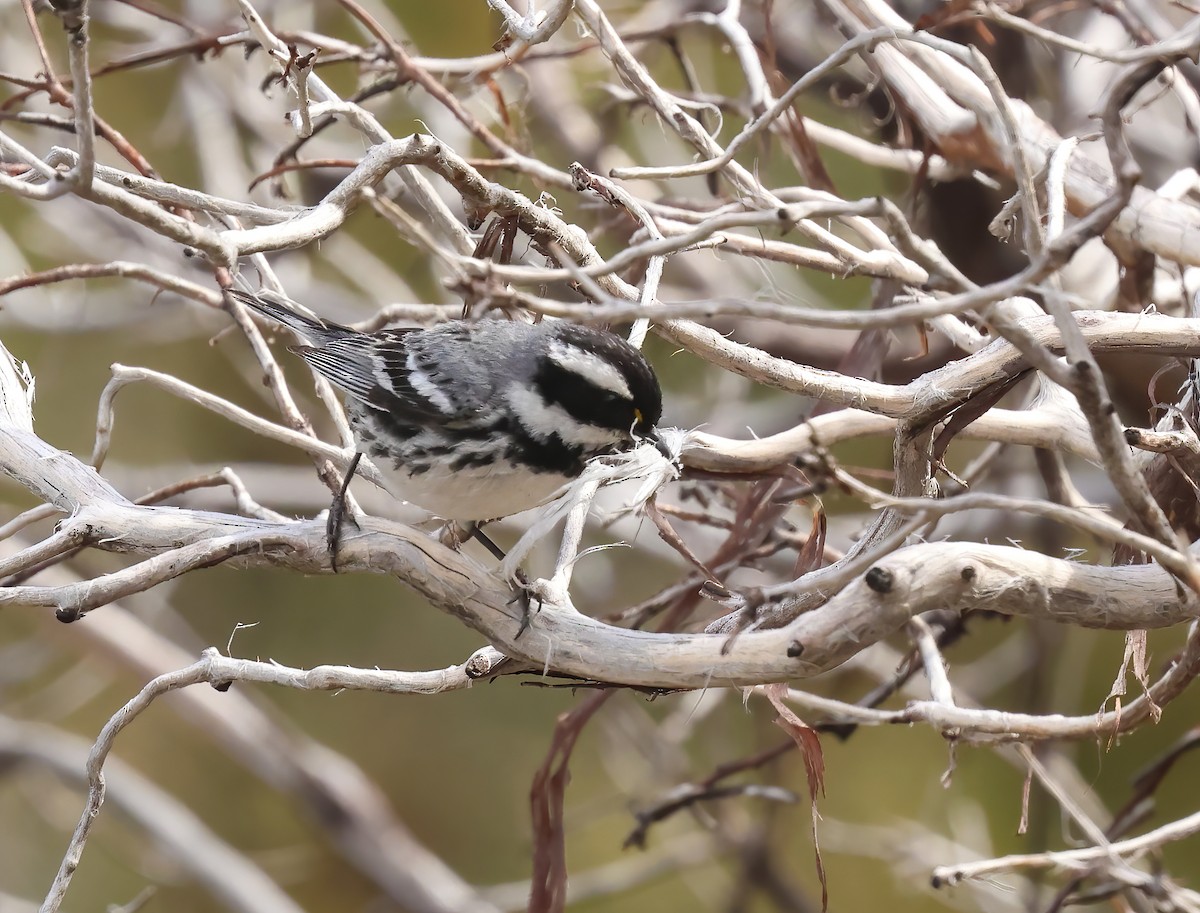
478	420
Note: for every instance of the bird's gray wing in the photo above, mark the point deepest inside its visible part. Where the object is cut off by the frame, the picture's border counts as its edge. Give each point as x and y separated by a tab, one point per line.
373	369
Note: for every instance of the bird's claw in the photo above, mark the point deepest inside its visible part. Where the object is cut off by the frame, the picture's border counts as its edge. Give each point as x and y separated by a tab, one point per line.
527	593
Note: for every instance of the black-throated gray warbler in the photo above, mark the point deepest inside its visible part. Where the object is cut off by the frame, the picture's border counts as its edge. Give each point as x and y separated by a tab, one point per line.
475	421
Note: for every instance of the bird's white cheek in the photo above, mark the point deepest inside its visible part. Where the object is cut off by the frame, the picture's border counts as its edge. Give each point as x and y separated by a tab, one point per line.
542	419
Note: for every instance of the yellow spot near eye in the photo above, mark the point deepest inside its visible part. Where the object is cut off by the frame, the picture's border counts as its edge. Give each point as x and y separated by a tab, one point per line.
637	415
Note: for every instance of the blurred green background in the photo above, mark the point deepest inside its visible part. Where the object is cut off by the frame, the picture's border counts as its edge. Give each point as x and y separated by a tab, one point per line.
457	767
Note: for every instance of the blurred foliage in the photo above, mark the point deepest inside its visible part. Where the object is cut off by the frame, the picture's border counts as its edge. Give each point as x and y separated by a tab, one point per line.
457	767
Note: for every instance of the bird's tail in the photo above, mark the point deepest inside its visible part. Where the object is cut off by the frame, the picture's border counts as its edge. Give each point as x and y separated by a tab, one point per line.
276	307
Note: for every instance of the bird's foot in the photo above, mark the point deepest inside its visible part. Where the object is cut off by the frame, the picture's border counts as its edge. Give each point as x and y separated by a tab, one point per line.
534	595
527	593
453	535
530	594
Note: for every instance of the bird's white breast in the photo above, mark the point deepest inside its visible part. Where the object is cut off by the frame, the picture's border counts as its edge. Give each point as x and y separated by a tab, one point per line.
473	492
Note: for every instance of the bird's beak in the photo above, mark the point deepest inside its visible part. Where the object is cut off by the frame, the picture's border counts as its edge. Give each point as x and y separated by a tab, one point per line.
652	436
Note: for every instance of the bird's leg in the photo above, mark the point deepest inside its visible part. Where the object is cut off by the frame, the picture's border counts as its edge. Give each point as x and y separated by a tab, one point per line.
524	591
337	515
474	530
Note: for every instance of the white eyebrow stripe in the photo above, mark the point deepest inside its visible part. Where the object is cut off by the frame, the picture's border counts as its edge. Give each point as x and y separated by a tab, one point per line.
591	367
